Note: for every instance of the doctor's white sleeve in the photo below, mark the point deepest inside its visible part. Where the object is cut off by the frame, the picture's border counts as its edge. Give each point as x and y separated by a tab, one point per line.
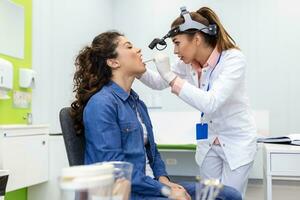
153	80
233	74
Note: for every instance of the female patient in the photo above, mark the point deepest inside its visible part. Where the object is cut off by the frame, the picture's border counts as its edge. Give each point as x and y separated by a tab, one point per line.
115	122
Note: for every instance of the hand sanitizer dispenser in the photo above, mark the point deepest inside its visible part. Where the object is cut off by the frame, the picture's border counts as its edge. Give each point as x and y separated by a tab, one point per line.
27	78
6	78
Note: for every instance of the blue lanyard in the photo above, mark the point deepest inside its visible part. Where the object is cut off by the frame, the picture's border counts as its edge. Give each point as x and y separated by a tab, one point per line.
202	114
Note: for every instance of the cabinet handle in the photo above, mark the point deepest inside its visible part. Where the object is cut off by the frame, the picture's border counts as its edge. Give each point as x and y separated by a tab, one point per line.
43	142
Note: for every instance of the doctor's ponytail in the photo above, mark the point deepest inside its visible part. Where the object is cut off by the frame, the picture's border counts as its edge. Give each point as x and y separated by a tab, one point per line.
223	40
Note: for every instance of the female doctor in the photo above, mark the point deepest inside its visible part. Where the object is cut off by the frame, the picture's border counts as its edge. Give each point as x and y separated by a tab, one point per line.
210	76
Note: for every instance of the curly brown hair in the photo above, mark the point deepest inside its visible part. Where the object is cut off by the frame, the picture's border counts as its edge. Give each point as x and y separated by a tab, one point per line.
92	73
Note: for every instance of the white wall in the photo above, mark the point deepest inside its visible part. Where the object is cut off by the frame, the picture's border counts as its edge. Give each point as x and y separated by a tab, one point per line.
266	31
60	30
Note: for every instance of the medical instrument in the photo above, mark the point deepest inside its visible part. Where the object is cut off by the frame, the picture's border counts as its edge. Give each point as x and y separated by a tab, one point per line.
152	59
189	26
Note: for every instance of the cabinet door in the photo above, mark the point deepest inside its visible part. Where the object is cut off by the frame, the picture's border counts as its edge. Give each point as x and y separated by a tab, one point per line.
27	159
13	160
57	160
37	158
285	164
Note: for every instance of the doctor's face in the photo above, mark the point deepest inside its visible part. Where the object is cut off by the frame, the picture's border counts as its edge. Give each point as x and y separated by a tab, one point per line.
129	58
185	47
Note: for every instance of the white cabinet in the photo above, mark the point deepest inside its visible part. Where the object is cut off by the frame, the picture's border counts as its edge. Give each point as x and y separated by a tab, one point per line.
279	161
285	163
57	160
24	152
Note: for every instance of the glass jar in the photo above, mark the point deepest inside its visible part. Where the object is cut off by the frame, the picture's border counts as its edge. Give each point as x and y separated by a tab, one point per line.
88	182
122	179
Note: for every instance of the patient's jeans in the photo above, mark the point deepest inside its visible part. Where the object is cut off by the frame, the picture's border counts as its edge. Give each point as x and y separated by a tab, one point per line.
227	193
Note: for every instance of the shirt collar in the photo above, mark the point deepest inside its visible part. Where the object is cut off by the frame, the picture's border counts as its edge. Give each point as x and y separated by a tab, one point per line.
120	92
211	61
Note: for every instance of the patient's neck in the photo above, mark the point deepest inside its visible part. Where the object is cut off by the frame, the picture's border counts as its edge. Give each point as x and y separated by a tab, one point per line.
124	82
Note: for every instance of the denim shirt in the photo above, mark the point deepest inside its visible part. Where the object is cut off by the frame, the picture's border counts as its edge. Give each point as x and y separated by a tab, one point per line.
113	133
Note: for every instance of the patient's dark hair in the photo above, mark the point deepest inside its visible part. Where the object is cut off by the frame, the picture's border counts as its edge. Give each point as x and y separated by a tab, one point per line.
92	73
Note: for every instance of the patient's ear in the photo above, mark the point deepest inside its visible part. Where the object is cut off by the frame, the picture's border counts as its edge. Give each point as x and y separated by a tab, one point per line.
113	63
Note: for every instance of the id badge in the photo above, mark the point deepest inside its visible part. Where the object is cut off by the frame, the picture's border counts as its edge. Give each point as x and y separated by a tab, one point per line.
201	131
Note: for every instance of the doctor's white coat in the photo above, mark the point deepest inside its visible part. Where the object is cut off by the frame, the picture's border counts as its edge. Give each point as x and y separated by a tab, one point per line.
225	106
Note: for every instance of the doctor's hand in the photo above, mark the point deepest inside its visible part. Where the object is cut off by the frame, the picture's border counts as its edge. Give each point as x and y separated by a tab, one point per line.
162	63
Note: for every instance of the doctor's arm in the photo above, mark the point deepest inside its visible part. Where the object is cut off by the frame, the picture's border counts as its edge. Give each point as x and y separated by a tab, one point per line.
166	75
205	101
223	87
153	80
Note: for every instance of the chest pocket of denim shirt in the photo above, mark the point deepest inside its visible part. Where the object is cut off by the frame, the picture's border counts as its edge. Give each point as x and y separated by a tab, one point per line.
132	141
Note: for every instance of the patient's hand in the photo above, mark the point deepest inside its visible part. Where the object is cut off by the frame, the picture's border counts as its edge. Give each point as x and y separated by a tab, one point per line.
167	182
173	185
177	191
179	194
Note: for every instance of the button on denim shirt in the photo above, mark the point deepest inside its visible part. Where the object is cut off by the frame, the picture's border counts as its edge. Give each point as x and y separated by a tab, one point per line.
113	133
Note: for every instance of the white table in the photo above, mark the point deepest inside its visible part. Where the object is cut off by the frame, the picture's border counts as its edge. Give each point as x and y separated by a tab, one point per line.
279	161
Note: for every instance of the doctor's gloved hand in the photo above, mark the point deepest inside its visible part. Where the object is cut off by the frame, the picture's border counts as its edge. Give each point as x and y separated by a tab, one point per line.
162	63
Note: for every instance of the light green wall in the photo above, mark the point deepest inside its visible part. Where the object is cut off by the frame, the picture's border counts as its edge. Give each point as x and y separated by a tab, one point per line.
9	114
17	195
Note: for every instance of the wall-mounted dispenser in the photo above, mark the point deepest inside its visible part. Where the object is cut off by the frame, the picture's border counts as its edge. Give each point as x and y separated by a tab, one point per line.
6	78
27	78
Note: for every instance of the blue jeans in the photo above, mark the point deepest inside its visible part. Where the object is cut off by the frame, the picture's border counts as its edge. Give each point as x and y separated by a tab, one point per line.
227	193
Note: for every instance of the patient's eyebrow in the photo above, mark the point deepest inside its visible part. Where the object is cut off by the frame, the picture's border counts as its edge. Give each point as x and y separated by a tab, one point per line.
127	43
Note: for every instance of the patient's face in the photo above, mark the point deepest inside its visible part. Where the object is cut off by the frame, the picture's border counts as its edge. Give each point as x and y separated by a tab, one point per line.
130	58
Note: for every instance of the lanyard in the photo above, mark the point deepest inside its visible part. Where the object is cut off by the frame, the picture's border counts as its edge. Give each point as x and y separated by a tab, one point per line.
202	114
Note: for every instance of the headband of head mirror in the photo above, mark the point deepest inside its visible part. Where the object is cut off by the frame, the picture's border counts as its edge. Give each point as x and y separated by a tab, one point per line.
190	24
